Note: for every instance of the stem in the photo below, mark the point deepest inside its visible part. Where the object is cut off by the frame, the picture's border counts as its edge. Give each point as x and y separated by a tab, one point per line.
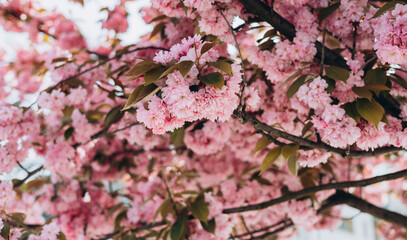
341	197
104	62
321	68
311	190
241	104
30	174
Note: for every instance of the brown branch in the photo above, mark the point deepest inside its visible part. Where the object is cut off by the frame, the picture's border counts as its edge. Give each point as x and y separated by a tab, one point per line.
341	197
133	230
311	190
264	11
104	62
278	230
242	99
321	67
30	174
261	229
260	126
103	133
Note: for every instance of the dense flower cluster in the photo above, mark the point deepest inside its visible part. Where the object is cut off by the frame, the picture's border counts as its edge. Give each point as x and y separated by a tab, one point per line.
179	103
391	44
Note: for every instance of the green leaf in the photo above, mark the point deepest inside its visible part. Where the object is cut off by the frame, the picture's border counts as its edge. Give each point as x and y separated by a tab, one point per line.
292	164
331	84
113	209
113	116
223	66
388	7
184	67
370	110
306	127
377	87
68	110
206	47
199	208
74	83
215	79
267	45
289	149
68	133
293	89
142	67
157	29
351	111
363	92
140	93
179	228
261	144
177	137
60	59
169	70
399	80
5	231
93	115
153	75
326	12
337	73
161	17
18	218
271	156
122	215
129	236
375	76
166	208
210	226
270	33
293	76
24	236
61	236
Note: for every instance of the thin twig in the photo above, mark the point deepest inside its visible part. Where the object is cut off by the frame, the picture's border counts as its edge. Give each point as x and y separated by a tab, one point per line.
278	230
242	100
104	62
355	26
311	190
321	67
103	133
21	166
30	174
259	230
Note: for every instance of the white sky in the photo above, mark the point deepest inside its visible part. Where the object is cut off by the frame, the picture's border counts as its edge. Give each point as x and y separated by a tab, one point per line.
88	20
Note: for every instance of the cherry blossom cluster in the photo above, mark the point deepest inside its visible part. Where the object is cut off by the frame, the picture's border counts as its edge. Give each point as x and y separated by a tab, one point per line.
390	33
178	103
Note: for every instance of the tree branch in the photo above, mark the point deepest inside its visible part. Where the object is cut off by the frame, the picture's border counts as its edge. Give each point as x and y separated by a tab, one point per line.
311	190
278	230
260	126
284	221
30	174
341	197
263	11
104	62
244	83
